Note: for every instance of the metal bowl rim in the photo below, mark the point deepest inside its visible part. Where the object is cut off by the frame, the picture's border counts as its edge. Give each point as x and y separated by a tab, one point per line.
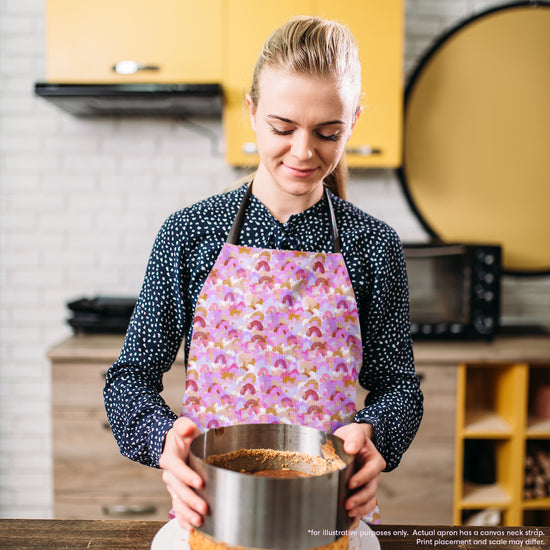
344	456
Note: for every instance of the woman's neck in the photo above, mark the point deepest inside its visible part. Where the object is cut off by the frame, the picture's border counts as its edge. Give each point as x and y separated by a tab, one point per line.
282	203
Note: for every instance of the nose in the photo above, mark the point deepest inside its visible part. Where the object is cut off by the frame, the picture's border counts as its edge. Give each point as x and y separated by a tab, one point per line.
301	147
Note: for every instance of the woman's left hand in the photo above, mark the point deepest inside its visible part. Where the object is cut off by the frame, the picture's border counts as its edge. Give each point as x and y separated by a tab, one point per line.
369	463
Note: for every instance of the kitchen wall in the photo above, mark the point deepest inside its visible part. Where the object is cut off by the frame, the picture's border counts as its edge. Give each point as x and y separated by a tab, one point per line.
81	201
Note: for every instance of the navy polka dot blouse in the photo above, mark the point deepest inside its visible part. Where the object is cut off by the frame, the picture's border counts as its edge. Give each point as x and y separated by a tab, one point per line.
185	251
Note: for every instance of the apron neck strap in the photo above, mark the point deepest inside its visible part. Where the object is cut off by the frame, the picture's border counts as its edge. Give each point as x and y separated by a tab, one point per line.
333	224
233	236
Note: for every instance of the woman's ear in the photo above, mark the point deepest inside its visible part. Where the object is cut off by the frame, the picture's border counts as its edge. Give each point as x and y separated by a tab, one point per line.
358	111
251	110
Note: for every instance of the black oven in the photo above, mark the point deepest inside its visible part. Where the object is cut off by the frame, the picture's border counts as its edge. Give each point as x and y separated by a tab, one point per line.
454	290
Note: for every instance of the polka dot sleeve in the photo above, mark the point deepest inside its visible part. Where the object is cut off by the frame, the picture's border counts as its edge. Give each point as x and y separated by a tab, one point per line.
138	416
394	403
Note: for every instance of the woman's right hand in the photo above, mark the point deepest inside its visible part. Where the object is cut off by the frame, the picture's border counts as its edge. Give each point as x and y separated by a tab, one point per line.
180	479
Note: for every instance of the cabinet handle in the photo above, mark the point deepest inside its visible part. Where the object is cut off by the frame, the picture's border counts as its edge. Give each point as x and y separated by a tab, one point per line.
364	150
131	67
129	509
249	148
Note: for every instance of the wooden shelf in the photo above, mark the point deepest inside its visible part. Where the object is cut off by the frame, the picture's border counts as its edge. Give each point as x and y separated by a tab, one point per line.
538	427
486	424
537	504
485	496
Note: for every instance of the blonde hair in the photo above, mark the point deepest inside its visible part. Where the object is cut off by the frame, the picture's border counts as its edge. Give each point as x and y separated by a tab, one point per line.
309	45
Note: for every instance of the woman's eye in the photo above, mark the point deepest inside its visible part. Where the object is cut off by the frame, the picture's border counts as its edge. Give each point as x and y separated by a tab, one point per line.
280	131
330	137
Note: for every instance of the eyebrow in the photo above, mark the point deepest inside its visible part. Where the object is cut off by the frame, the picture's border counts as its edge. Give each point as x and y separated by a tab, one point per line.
289	121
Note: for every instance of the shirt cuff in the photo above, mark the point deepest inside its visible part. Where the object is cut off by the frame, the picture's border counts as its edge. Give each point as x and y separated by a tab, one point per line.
379	440
157	435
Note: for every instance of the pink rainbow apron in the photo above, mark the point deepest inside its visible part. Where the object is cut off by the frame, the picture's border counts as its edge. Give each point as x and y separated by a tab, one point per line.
276	338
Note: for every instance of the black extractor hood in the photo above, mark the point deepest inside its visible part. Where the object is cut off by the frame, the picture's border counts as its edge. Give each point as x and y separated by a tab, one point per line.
159	100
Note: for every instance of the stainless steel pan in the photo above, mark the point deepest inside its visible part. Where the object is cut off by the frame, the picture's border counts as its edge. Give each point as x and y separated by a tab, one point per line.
275	513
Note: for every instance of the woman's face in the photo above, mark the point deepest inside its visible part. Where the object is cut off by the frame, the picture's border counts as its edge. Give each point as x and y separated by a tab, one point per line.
302	124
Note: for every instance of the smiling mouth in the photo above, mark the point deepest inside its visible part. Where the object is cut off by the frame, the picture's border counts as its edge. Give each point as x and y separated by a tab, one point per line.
300	172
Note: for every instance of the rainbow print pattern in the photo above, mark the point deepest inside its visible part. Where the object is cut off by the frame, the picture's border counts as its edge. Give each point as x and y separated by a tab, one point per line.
276	338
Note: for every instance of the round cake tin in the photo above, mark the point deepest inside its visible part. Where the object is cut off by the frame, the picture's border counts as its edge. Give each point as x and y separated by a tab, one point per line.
269	512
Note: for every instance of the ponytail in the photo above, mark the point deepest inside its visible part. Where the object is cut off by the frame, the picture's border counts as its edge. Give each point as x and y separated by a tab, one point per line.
336	181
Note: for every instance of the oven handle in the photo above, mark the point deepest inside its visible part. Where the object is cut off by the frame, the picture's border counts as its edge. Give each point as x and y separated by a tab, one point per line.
431	251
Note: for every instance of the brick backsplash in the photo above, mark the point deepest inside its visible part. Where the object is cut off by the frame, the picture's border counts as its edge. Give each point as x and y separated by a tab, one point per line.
81	202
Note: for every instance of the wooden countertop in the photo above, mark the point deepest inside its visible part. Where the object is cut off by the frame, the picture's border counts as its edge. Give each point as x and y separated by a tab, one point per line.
520	349
531	349
36	534
21	534
93	347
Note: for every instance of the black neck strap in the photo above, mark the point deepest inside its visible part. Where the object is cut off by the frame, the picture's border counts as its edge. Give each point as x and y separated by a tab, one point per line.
233	236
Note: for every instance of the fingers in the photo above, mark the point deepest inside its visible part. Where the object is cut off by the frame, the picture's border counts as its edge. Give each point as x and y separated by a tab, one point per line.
180	473
176	452
370	463
363	501
355	436
180	479
186	428
188	506
357	512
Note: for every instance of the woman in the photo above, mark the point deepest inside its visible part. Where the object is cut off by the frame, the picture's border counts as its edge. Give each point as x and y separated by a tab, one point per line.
286	293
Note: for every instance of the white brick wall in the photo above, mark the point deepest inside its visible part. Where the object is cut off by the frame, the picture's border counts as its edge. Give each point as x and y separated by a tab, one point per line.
80	204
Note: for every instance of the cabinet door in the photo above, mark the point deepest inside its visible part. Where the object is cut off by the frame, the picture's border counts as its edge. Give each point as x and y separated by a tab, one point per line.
91	479
85	40
425	474
378	28
248	23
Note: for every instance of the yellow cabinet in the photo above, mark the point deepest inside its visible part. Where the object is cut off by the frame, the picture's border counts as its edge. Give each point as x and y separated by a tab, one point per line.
217	41
248	23
378	29
497	428
170	41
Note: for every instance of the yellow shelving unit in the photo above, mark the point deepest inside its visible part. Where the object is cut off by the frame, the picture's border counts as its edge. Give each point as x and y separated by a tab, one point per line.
495	417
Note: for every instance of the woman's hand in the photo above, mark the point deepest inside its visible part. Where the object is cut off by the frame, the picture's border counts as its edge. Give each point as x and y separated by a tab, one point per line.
181	481
370	463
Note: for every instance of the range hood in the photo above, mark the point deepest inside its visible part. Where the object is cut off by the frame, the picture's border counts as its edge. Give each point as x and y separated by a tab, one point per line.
158	100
